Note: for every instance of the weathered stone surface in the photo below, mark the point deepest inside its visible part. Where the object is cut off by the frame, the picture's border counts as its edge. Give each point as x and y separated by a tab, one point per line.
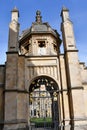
36	60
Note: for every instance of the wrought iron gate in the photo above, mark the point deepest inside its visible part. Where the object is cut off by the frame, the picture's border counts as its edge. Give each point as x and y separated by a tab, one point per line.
43	107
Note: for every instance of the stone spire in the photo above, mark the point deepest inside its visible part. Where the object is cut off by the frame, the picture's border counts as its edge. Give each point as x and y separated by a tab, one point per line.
15	14
65	14
13	31
38	17
67	30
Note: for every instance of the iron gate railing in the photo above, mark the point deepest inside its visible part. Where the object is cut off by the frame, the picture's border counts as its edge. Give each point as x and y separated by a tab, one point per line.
44	113
45	126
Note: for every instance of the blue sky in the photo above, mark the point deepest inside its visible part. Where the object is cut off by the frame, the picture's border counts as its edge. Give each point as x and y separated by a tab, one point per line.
50	10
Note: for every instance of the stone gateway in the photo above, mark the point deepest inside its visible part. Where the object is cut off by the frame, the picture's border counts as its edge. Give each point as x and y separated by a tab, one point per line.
40	87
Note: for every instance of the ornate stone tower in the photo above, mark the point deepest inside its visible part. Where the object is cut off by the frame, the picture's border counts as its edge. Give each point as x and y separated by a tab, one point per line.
32	62
38	83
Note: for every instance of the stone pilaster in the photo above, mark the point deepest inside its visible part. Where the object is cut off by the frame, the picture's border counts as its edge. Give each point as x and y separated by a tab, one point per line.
74	82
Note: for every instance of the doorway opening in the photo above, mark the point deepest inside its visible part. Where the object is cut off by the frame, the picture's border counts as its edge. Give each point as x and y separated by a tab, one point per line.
44	103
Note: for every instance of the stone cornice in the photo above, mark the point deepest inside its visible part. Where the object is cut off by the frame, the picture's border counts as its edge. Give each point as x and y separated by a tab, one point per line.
12	52
3	65
70	51
16	121
16	90
42	56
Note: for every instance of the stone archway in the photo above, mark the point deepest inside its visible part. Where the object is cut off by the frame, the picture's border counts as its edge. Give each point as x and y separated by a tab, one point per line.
44	102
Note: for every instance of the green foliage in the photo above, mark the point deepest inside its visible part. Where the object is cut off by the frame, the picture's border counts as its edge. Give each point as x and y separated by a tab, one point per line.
38	120
41	122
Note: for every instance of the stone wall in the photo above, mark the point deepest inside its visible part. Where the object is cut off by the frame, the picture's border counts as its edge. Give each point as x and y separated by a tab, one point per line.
2	79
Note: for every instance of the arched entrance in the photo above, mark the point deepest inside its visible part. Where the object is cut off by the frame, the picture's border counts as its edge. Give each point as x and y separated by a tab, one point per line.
44	103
